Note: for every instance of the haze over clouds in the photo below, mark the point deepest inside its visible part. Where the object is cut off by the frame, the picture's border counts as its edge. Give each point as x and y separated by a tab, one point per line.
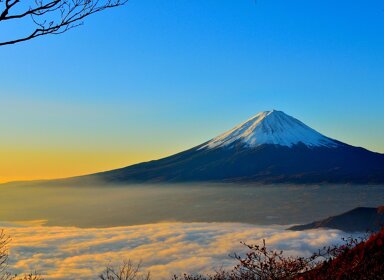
164	248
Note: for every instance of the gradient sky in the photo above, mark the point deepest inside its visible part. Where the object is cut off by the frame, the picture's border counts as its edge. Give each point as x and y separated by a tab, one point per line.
156	77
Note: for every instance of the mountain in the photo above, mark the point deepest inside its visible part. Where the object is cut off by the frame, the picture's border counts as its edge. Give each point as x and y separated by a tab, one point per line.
271	147
271	128
359	219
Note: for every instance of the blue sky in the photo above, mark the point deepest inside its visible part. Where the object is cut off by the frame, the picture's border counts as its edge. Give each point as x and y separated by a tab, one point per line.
156	77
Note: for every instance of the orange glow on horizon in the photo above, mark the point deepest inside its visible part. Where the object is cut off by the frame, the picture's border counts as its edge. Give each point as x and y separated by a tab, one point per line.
25	165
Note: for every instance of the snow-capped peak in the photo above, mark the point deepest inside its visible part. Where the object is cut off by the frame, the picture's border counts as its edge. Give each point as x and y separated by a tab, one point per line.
272	127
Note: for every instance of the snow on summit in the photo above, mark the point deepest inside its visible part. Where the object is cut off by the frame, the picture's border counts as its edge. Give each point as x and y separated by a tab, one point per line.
272	127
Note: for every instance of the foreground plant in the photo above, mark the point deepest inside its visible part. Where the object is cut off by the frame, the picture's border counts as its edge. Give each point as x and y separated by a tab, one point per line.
45	17
4	240
127	271
355	259
4	253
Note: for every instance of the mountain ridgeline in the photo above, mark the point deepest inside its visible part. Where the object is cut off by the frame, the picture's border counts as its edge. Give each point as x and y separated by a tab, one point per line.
361	219
271	147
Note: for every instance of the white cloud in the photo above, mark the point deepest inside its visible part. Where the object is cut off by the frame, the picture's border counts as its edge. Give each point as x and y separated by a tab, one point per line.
165	248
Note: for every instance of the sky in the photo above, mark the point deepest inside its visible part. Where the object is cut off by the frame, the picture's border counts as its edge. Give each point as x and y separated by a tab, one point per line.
154	77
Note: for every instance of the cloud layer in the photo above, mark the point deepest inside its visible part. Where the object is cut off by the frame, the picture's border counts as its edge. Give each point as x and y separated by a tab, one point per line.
164	249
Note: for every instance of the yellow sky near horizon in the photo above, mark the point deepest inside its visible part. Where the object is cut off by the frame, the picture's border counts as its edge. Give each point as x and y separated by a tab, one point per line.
24	165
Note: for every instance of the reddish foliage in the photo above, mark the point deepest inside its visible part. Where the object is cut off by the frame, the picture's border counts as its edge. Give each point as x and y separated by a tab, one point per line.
356	260
363	261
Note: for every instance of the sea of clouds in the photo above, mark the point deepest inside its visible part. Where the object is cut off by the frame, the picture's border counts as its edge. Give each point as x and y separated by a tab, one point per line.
164	248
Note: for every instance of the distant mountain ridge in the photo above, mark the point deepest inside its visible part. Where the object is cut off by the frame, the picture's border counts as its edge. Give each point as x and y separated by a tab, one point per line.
271	147
360	219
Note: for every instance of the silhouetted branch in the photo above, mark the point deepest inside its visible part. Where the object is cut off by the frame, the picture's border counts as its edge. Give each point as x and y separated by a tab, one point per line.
127	271
4	240
51	17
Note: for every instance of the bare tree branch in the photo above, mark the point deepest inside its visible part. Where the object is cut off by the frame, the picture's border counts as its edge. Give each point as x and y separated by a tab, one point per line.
51	17
4	240
127	271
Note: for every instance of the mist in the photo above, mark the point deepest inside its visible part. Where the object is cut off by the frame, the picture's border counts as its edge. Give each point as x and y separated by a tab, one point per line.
101	205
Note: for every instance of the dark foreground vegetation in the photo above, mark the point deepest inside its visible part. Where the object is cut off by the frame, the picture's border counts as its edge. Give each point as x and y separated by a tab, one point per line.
4	274
355	260
360	259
